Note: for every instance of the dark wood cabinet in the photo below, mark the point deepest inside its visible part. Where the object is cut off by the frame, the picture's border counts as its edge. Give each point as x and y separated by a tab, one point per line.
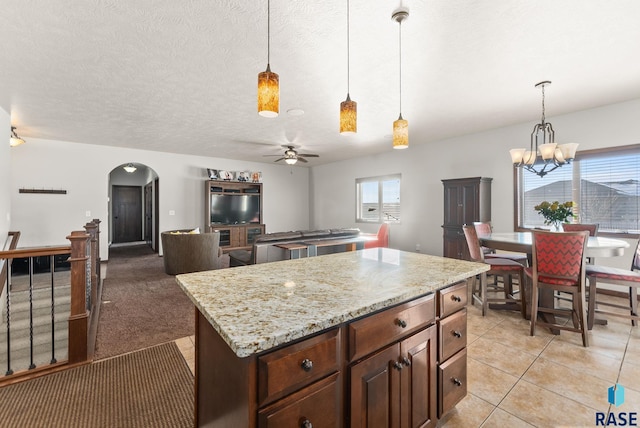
465	200
387	369
235	210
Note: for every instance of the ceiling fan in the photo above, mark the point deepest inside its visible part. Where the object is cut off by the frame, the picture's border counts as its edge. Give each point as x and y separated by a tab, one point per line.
291	156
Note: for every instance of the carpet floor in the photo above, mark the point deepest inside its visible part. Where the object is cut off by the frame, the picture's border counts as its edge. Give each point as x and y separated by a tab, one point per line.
148	388
141	305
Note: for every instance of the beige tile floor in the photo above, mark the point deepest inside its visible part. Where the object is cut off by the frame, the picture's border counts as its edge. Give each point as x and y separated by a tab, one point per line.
515	380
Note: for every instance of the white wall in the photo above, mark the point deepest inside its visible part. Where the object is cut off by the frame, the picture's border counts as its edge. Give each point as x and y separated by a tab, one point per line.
483	154
5	168
83	171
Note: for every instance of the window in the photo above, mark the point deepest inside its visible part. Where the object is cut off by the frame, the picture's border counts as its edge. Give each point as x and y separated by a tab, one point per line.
378	199
603	184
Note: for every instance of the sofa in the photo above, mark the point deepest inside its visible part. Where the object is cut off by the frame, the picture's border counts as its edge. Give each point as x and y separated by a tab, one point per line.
265	247
186	251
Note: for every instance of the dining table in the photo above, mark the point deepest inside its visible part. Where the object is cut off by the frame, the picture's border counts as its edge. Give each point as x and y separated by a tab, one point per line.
520	242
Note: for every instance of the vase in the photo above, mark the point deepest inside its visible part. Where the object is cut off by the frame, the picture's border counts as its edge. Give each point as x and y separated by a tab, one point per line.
556	226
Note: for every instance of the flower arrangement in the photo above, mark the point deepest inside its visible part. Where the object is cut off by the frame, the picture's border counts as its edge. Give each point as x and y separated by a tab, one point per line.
555	213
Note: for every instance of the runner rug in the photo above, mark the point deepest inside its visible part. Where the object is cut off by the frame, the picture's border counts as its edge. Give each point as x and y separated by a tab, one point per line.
148	388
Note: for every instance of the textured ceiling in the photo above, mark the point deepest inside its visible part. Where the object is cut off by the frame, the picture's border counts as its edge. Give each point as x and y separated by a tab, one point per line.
181	76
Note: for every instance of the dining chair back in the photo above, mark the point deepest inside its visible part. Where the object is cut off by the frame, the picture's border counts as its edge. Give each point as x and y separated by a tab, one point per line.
484	228
505	268
577	227
558	265
629	279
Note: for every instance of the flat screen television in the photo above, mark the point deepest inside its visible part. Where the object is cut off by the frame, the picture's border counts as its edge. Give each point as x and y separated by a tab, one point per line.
235	209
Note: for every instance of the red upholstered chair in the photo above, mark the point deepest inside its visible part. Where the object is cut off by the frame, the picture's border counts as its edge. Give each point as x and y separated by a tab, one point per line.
503	267
382	238
577	227
485	228
614	276
559	265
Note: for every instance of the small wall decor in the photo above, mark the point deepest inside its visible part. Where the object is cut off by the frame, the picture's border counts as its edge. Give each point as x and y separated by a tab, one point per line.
242	176
43	191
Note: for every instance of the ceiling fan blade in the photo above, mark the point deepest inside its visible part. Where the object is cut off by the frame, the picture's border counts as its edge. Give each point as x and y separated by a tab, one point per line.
301	159
309	155
279	159
270	155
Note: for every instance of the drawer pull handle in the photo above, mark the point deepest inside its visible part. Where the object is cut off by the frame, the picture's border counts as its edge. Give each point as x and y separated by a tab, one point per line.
306	365
406	361
456	381
457	334
306	423
401	323
456	298
397	366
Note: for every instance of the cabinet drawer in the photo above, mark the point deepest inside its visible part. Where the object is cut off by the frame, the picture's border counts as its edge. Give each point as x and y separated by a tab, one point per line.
375	332
452	334
452	382
318	404
288	369
452	299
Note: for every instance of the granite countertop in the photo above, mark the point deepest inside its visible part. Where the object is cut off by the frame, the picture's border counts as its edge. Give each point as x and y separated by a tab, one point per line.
255	308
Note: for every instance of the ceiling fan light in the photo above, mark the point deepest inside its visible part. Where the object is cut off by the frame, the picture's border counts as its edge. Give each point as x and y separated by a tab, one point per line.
268	93
15	140
400	133
348	116
291	161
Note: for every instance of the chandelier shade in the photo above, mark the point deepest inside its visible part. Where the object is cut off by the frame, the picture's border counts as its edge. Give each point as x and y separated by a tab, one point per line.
544	155
268	81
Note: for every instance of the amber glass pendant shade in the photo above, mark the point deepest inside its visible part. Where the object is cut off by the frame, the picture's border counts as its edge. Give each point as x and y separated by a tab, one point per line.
400	133
268	93
348	116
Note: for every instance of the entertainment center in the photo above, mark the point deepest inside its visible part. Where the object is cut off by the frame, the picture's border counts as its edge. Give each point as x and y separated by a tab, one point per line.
235	210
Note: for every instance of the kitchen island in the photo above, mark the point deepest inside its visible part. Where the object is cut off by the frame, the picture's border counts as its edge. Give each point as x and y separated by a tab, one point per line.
373	337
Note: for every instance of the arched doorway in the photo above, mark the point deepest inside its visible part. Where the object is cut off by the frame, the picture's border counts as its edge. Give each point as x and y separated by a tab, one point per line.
133	205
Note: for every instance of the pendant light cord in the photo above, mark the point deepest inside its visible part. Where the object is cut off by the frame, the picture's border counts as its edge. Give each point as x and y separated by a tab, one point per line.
348	53
400	61
268	32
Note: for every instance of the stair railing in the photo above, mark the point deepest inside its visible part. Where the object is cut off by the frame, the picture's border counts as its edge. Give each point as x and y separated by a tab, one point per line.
85	275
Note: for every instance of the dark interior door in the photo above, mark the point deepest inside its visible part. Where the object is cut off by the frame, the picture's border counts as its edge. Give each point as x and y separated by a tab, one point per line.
127	213
148	213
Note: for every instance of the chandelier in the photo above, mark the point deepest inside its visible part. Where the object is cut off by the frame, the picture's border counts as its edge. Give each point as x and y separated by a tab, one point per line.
544	155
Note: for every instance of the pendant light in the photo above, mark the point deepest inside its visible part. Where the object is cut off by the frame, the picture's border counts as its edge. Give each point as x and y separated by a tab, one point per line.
268	82
400	126
348	108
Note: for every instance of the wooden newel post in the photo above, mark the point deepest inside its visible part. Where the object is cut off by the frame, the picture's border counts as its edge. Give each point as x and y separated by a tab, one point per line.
92	230
79	316
97	222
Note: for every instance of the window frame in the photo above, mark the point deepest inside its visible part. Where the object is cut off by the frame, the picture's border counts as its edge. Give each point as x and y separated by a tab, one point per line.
380	180
518	196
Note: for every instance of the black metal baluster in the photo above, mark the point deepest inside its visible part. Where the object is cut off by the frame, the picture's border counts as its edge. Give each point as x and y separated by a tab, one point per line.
9	273
53	316
31	365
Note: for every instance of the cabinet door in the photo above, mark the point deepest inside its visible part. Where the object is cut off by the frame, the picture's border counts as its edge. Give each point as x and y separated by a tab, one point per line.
454	244
418	379
470	203
452	204
375	390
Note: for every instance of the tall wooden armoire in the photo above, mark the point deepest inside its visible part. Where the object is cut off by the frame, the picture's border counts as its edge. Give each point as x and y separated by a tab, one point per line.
465	200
